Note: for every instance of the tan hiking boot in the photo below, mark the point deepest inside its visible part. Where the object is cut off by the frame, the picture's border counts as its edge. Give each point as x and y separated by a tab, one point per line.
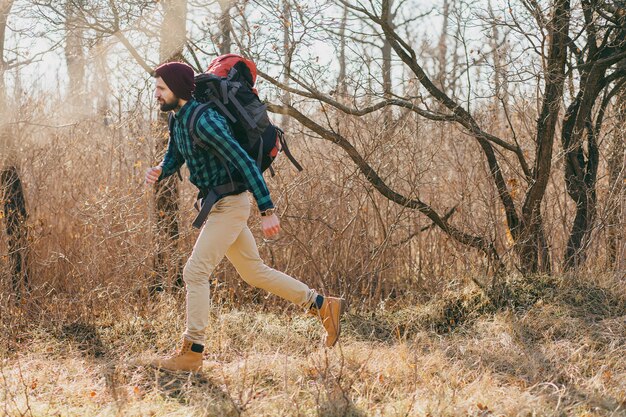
330	315
184	360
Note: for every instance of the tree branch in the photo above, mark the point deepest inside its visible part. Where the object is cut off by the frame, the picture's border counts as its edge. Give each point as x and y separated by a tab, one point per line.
317	95
477	242
142	62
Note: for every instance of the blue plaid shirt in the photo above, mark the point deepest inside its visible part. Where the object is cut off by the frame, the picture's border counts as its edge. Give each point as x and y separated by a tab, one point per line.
205	168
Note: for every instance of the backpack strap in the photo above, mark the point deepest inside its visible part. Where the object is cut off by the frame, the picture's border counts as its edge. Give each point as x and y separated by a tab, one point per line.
191	125
231	74
285	148
212	197
170	126
170	123
228	91
224	88
223	109
244	113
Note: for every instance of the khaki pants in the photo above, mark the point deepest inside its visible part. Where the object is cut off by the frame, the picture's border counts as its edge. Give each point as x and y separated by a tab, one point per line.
226	232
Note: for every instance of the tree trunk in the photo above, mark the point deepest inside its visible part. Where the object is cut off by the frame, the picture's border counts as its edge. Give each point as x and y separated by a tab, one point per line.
500	80
11	191
287	64
226	28
530	242
617	167
102	86
442	48
386	66
14	210
74	56
5	9
167	261
580	169
341	78
173	31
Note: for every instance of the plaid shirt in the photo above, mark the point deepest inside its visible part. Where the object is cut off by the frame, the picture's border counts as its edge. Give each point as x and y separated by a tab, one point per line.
205	169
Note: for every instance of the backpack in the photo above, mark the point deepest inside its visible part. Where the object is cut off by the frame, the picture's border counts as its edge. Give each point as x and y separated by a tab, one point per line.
228	86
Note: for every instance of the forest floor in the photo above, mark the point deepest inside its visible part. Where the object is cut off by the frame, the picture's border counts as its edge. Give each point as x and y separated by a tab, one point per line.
554	347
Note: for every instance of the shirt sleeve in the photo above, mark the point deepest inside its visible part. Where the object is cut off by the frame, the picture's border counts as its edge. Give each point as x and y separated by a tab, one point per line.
172	161
212	130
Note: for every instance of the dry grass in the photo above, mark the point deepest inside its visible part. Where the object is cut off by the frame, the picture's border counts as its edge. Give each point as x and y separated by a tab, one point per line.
557	349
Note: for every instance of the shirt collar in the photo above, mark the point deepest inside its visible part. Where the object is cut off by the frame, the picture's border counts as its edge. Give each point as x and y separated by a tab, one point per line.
184	110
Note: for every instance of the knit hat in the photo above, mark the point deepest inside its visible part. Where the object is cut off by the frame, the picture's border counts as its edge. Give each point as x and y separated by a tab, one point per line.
179	78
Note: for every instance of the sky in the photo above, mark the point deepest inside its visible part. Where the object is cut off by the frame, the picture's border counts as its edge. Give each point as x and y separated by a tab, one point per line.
48	72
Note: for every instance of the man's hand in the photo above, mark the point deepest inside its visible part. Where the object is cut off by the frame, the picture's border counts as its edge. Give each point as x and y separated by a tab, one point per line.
152	175
270	225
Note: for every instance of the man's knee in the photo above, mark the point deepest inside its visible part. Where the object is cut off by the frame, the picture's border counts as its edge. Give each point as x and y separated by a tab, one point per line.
195	273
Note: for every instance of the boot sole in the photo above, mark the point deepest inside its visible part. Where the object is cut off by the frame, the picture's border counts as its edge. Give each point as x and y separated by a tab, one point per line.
161	368
178	371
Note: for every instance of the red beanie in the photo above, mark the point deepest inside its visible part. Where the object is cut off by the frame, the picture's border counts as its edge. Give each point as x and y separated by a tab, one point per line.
179	78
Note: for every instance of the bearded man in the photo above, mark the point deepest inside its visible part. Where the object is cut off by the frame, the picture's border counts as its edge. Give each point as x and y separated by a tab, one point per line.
225	231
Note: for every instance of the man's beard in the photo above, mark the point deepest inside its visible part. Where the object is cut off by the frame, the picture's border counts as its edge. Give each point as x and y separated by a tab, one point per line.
169	106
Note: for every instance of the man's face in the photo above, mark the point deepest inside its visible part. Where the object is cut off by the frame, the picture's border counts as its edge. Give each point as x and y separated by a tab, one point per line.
166	98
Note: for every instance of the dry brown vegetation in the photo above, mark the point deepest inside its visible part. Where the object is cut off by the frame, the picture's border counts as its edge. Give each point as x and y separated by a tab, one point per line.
420	337
436	326
558	351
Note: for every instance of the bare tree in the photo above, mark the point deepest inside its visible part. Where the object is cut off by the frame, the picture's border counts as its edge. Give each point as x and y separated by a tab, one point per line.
287	26
528	232
173	37
75	53
604	46
116	22
103	85
617	175
15	214
11	189
5	10
341	77
225	33
525	229
388	17
442	47
594	62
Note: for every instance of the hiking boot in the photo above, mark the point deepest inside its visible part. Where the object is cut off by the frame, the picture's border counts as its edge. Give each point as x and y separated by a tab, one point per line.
184	360
330	315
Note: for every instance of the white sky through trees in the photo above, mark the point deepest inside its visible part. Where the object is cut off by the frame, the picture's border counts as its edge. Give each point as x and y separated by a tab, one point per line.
31	37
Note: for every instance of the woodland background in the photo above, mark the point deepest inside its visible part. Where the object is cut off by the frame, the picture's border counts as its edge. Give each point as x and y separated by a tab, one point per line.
464	173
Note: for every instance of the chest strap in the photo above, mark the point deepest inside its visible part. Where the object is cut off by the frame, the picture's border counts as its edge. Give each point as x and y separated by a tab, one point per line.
212	197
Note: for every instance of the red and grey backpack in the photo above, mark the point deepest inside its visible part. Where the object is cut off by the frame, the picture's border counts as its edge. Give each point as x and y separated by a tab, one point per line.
228	86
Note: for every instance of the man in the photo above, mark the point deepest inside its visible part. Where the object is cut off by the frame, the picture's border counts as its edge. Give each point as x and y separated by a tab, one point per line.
225	231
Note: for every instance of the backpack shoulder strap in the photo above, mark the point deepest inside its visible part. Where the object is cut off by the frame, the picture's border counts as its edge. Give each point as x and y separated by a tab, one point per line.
285	148
231	95
170	123
193	120
191	125
170	127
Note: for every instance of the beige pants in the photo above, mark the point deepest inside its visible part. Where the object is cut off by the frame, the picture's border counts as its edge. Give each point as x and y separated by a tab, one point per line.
226	232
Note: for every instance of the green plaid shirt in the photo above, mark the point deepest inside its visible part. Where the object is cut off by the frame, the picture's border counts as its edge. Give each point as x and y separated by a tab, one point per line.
205	169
